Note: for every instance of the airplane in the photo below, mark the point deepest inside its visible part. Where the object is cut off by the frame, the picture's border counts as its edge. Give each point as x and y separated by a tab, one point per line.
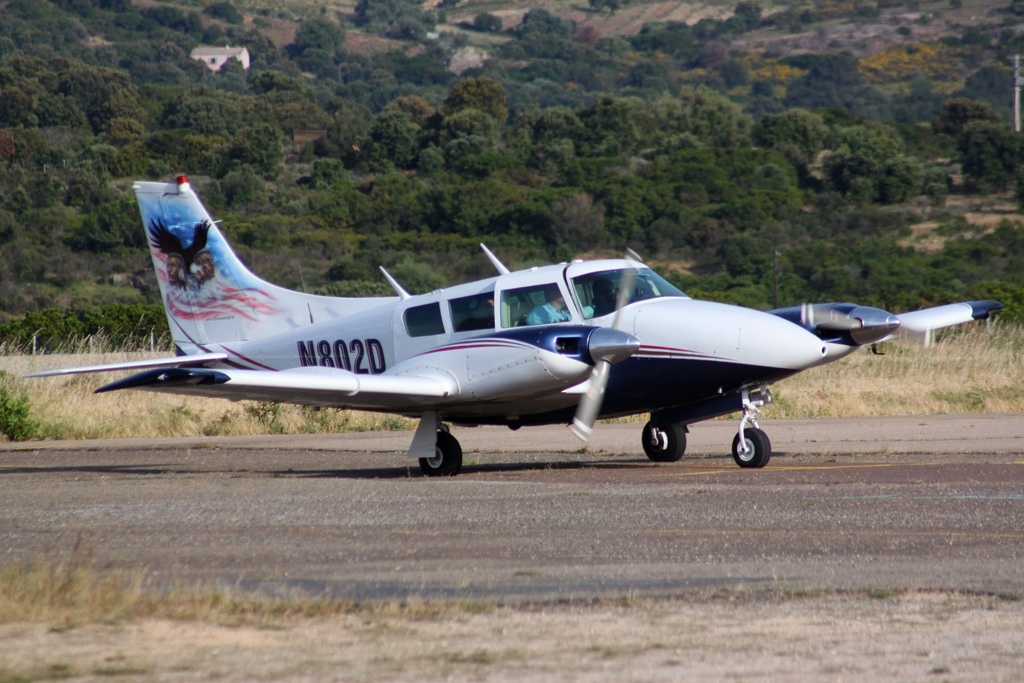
560	344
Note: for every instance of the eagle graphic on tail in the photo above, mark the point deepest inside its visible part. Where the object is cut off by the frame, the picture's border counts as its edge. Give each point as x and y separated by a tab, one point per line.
180	261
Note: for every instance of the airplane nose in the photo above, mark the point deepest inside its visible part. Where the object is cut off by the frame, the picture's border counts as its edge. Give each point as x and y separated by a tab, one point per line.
769	341
611	345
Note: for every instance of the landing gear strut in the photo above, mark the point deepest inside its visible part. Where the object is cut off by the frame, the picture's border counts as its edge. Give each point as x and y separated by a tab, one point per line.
750	446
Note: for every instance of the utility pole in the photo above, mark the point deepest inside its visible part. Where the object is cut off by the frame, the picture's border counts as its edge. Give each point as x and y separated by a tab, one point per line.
776	264
1016	92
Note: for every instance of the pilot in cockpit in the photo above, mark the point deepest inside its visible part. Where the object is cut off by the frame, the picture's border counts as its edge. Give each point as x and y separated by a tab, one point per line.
551	311
603	299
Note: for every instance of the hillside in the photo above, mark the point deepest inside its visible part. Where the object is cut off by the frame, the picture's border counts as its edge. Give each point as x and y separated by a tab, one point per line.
759	154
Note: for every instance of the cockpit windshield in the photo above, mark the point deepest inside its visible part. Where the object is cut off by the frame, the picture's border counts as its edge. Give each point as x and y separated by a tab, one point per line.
598	292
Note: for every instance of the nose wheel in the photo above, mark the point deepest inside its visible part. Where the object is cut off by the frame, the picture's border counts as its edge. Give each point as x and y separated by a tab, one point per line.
751	446
756	449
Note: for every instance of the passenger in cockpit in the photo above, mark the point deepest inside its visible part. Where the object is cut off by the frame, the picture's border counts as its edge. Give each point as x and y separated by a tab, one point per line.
552	311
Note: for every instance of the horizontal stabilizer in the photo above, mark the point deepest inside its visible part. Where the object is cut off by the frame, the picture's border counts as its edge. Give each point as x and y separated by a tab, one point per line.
198	359
315	386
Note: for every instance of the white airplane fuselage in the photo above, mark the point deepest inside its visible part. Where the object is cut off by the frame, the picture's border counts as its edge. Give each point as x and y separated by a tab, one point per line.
691	350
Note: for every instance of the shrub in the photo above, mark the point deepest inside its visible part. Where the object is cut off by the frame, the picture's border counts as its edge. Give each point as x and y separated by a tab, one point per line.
14	420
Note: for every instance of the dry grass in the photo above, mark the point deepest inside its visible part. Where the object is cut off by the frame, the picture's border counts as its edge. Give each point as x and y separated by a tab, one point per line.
972	369
59	620
69	592
67	408
969	370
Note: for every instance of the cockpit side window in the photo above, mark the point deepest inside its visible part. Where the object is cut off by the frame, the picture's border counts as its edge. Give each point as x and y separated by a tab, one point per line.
424	321
535	305
473	312
598	292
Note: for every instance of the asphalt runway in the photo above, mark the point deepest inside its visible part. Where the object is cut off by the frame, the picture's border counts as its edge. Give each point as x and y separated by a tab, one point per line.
911	502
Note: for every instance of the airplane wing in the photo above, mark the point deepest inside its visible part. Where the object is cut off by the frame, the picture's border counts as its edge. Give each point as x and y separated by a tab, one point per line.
197	359
919	325
860	325
318	386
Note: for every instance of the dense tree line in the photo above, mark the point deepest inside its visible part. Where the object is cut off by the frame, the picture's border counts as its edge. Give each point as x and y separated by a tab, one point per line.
735	189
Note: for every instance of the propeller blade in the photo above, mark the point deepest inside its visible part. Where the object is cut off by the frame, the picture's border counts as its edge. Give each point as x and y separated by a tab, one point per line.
590	402
625	290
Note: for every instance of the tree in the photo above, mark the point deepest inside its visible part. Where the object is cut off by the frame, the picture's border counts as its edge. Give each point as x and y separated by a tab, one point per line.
407	28
992	84
392	138
16	109
320	34
487	22
258	146
7	147
243	187
226	11
798	127
577	222
477	93
467	123
103	94
381	16
611	5
223	116
416	108
900	180
121	131
710	117
990	153
542	21
271	81
259	45
749	11
958	112
609	126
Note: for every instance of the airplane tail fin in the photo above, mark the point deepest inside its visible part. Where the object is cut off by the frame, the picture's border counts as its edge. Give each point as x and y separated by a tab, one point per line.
208	293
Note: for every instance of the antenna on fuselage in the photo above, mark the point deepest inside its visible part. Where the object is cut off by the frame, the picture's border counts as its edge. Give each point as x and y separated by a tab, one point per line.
633	256
502	270
402	294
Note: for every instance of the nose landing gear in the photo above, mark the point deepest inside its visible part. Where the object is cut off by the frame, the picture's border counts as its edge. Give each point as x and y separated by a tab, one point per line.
750	446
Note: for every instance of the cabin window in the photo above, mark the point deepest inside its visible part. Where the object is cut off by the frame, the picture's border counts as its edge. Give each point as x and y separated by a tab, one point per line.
598	292
473	312
424	321
536	305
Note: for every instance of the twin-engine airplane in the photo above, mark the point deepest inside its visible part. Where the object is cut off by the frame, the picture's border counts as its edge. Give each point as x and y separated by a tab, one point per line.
562	344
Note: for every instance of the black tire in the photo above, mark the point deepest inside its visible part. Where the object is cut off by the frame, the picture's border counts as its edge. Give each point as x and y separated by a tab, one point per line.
756	440
448	459
670	449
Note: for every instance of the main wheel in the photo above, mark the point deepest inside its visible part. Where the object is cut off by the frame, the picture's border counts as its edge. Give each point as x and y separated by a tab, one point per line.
664	444
759	448
447	460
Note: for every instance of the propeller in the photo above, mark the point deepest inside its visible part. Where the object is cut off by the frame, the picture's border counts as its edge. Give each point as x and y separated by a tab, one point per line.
862	325
606	346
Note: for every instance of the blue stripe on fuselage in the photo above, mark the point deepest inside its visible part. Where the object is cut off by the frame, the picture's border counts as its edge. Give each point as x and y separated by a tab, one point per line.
640	385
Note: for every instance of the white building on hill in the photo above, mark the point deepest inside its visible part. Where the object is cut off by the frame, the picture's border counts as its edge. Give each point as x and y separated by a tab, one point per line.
215	57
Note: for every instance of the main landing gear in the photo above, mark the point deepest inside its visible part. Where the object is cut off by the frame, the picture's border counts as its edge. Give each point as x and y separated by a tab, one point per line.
750	446
664	443
447	460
